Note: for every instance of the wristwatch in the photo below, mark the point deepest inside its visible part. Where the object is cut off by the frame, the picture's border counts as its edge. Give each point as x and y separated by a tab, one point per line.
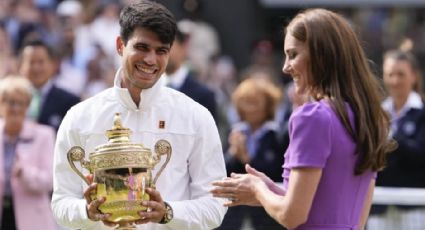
168	214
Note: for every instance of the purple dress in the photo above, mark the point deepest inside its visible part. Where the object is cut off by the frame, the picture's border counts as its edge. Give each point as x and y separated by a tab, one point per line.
318	139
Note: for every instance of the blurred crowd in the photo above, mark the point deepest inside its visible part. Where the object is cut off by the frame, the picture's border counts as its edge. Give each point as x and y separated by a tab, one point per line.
63	51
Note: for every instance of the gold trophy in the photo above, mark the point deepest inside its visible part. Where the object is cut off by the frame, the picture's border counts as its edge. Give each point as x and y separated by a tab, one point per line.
122	171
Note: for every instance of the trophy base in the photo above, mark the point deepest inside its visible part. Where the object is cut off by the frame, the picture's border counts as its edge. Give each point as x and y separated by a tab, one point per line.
125	226
122	211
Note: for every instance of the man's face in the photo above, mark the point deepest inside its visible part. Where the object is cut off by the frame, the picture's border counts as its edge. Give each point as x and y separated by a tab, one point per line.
144	59
36	65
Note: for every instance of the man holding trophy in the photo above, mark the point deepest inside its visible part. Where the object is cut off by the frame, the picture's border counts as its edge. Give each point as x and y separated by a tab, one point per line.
119	172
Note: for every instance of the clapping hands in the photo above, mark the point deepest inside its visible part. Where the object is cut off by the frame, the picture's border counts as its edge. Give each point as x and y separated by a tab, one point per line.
241	189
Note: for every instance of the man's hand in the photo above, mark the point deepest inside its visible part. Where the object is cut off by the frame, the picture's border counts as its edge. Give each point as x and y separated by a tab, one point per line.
155	208
92	206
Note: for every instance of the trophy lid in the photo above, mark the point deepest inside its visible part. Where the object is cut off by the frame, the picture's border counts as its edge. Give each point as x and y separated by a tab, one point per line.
119	151
118	133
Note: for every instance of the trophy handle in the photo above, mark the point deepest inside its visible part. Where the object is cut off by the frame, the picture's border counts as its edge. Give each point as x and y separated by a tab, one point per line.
162	147
77	153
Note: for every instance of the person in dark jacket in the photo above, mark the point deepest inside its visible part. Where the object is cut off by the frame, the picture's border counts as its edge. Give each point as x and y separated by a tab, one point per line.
49	103
179	76
255	141
406	164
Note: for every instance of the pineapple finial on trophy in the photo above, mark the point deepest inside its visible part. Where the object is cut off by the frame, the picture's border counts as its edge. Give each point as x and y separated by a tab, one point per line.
118	133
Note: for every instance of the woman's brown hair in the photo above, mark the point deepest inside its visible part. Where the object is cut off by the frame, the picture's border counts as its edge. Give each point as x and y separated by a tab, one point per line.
340	70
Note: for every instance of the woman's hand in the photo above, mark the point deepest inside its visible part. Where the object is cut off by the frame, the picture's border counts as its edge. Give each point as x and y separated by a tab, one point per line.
269	182
240	189
250	170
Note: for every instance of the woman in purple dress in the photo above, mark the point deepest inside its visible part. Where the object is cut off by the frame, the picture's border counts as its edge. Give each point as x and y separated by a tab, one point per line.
338	139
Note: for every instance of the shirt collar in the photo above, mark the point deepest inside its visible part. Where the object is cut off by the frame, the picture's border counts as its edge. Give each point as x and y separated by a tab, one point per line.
177	79
44	90
253	139
146	96
267	126
414	101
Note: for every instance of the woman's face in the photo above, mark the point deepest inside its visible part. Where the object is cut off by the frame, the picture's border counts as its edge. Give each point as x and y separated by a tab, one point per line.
399	77
297	63
14	107
253	109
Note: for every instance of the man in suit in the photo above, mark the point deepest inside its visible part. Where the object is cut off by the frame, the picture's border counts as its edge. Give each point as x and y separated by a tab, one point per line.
179	76
49	103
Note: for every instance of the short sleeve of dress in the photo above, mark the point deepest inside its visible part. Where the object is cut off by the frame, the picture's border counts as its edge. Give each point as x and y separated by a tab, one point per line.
310	136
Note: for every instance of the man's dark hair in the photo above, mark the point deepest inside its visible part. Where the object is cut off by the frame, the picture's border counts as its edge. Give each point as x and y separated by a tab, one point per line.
148	15
38	43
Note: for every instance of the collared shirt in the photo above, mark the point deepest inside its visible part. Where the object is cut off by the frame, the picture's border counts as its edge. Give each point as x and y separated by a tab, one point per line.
414	101
163	113
44	90
177	79
38	98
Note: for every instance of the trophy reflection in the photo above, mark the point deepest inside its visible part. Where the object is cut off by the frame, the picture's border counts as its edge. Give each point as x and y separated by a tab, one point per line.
122	171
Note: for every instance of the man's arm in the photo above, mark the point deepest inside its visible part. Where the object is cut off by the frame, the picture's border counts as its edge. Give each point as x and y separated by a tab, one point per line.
68	204
205	165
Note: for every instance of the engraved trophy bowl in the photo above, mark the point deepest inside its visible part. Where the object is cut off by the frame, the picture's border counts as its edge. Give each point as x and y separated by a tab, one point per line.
122	171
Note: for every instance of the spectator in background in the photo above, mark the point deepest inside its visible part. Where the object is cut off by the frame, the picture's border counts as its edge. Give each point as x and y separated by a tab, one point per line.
180	77
262	54
22	18
254	140
263	59
105	26
26	158
68	69
204	45
100	74
406	165
49	103
8	62
72	64
222	81
289	99
27	22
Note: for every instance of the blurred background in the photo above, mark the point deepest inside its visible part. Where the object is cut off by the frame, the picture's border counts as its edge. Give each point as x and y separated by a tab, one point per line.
227	34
